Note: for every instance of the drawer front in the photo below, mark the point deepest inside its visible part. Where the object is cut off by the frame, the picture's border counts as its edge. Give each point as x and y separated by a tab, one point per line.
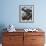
12	39
37	45
13	33
37	39
34	33
12	45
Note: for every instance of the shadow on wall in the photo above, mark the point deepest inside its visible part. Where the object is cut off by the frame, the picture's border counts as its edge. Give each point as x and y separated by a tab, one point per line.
2	26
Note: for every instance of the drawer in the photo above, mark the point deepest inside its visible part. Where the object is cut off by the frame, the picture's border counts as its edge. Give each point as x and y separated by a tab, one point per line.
37	44
13	44
37	39
13	33
27	37
34	33
8	45
12	38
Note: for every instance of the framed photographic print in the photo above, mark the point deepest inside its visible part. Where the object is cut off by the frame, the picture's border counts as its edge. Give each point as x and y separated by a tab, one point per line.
26	13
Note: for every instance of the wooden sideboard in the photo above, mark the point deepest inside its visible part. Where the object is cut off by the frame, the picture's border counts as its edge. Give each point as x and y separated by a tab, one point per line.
23	39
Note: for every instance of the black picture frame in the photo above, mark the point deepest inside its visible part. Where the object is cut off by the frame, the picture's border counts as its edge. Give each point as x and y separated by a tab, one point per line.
26	13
